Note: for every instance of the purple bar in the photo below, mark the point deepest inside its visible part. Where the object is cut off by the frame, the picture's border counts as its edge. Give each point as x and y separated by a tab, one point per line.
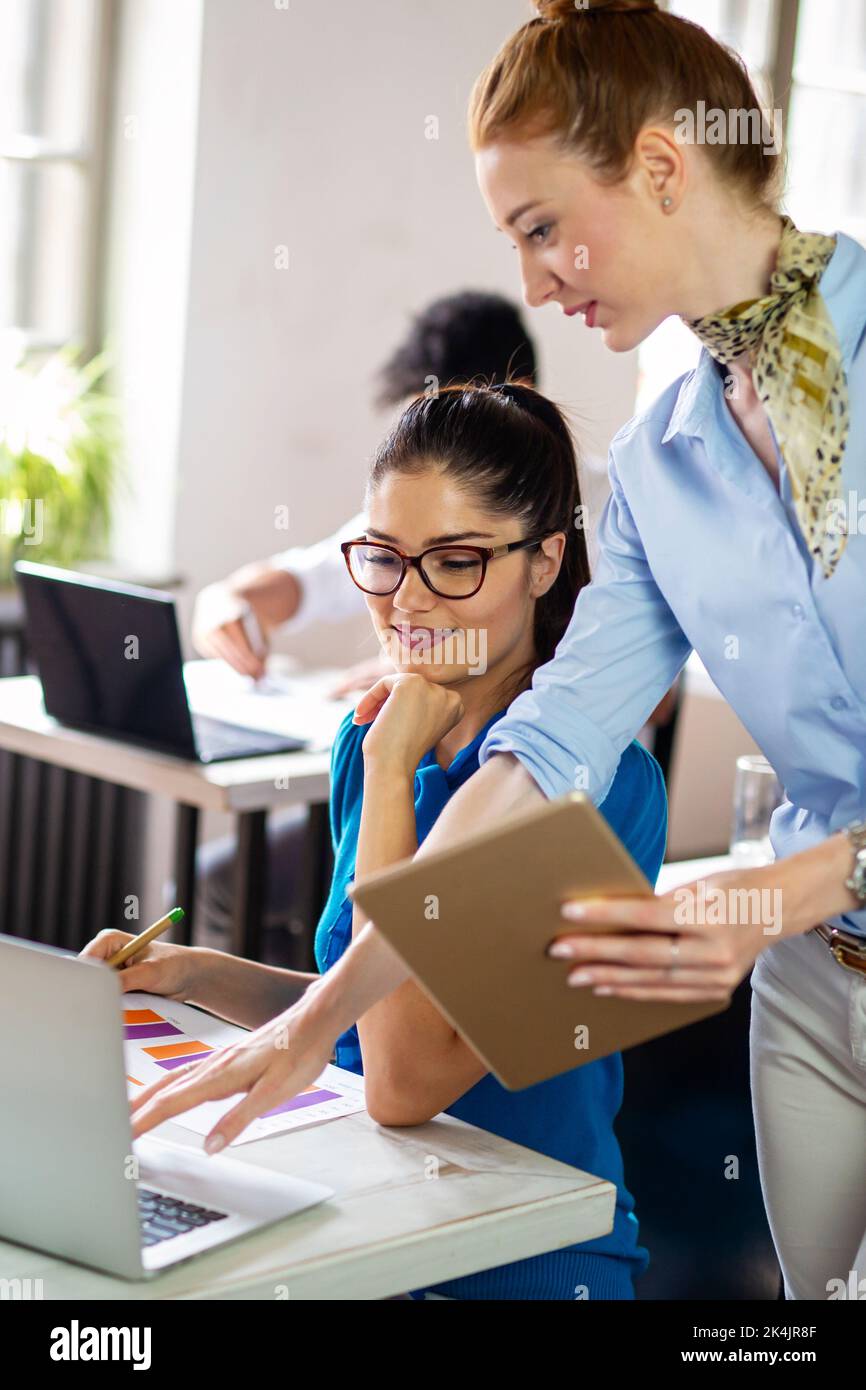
169	1062
148	1030
301	1101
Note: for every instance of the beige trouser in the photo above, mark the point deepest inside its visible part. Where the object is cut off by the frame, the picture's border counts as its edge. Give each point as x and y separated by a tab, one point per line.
808	1045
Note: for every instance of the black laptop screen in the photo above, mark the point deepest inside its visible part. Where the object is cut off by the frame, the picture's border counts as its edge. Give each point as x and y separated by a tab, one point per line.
108	657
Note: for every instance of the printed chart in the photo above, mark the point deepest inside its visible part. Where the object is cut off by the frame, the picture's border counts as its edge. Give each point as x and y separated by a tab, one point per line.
160	1035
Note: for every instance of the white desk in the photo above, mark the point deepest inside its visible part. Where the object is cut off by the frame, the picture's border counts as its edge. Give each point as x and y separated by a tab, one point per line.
391	1226
683	871
247	788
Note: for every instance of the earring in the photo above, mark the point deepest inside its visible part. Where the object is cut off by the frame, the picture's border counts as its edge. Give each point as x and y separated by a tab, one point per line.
667	203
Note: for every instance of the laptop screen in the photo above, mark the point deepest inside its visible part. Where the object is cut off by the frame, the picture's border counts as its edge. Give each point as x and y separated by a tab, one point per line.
108	656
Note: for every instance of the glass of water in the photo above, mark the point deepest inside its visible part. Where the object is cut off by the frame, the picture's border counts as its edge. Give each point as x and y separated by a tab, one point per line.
757	793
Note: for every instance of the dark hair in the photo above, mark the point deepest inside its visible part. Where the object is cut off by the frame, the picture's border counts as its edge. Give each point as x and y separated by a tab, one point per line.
509	447
455	340
592	75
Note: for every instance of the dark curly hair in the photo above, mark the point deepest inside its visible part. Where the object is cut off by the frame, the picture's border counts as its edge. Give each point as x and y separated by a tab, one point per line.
458	339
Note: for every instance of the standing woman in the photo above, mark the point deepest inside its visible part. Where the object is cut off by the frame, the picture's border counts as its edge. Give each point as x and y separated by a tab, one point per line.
722	534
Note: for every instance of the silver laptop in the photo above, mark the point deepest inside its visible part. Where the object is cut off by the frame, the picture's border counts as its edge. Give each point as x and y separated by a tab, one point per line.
67	1182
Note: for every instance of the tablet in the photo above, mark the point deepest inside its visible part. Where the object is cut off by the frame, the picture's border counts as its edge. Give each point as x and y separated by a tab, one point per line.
473	925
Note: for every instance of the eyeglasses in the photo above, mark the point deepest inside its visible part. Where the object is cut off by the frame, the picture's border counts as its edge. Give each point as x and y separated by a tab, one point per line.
449	571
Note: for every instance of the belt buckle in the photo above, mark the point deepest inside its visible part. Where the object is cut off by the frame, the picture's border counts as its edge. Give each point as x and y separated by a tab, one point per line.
840	948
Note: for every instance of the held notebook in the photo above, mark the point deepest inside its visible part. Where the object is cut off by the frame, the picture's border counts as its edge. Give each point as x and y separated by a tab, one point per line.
472	925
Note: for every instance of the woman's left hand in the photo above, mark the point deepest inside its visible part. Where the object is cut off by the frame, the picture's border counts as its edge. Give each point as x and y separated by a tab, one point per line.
263	1069
409	715
695	943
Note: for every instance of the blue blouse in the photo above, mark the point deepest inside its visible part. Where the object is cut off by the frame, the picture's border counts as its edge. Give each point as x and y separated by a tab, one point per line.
698	550
570	1117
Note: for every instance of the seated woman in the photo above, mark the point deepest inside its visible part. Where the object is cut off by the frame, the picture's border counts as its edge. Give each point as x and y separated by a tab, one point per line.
470	566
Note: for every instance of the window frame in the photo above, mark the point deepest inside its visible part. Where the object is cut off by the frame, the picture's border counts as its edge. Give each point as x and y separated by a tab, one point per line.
90	159
779	71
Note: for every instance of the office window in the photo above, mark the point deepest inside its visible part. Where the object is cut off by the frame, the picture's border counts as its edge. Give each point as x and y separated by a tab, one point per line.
52	85
756	29
748	26
827	123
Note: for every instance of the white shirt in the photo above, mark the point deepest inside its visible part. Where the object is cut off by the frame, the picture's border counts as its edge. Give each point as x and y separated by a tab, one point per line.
328	594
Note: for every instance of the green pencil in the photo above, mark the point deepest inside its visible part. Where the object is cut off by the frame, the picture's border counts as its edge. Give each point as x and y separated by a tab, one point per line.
132	947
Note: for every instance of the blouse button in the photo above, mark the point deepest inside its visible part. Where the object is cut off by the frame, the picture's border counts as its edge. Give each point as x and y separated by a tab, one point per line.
798	610
839	702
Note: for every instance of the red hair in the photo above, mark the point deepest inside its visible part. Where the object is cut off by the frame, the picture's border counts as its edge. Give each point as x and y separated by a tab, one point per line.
592	75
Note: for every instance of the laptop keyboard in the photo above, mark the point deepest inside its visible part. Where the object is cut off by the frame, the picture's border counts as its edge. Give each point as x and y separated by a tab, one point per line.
216	739
163	1217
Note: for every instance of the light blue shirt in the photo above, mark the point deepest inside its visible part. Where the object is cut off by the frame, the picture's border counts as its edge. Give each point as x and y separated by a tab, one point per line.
698	550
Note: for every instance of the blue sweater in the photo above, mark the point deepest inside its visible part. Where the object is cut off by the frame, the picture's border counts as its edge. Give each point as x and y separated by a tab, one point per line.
569	1117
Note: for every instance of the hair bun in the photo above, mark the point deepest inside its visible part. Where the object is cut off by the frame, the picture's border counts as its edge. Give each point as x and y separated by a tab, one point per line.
558	10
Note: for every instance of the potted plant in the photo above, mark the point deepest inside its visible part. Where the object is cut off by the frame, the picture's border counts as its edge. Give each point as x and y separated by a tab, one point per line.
59	450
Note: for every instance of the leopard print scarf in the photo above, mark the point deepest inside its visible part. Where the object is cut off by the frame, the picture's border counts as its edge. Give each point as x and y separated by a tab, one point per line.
800	377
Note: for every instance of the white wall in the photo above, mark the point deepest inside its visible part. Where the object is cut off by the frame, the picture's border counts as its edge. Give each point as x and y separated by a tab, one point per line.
249	386
311	135
152	147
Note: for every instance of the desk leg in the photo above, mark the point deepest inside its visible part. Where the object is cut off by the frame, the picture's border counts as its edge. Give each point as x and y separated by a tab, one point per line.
250	885
314	880
186	843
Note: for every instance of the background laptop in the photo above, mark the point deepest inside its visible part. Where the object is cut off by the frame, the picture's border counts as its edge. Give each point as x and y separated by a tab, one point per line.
65	1138
110	662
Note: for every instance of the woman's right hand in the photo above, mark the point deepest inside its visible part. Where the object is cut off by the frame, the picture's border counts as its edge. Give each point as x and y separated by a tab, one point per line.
218	630
160	968
409	715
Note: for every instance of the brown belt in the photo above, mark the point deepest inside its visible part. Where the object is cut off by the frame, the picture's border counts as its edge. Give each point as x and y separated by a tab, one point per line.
847	950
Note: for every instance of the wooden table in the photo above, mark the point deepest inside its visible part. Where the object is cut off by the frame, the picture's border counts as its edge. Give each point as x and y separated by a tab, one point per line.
247	789
413	1207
